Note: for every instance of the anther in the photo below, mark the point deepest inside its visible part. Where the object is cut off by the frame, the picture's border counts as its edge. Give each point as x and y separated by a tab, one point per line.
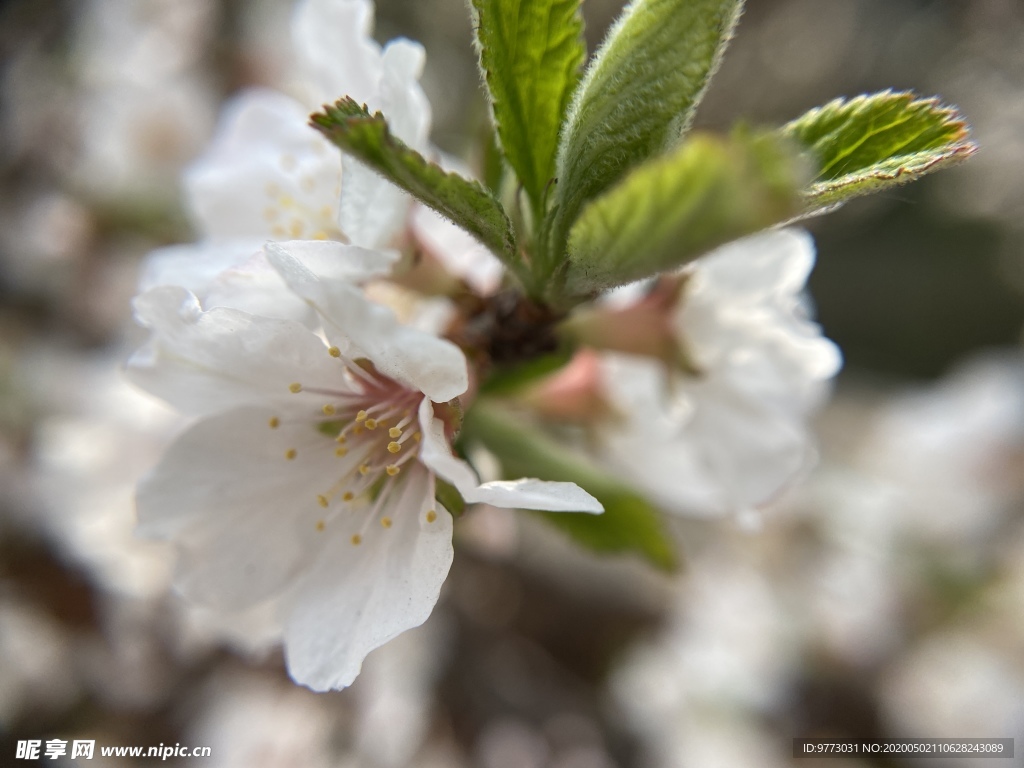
356	539
431	516
290	454
322	501
364	469
385	522
417	436
392	469
395	432
329	410
341	450
361	416
371	423
274	422
319	235
348	496
295	387
334	352
320	525
339	439
394	447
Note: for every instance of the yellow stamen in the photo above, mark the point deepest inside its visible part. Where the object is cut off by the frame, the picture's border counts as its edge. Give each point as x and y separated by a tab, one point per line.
334	352
290	454
392	469
358	429
356	539
348	496
385	522
431	516
329	410
274	422
341	450
361	416
417	436
295	387
319	235
322	501
364	469
395	432
320	525
394	447
339	439
371	423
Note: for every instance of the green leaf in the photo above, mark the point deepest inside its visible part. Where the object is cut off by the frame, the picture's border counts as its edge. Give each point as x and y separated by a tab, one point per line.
629	523
530	55
872	142
465	202
639	95
670	210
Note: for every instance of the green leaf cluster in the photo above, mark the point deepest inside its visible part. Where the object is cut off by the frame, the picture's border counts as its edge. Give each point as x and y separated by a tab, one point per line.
614	187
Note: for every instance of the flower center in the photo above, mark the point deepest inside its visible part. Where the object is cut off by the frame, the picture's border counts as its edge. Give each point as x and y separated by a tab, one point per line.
300	211
373	431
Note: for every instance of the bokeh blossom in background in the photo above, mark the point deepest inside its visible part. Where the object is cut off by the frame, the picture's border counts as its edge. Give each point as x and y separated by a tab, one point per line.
848	546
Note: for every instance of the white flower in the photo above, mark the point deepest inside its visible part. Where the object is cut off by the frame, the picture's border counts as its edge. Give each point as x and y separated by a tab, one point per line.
733	435
310	477
267	175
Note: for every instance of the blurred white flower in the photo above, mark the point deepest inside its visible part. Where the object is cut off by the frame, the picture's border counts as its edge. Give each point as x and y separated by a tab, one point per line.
250	722
269	175
693	693
37	669
311	475
946	451
730	434
145	107
955	683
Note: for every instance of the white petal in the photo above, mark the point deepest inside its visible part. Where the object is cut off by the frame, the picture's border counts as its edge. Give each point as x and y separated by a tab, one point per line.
232	274
525	493
746	300
706	447
266	174
372	210
356	598
243	516
202	362
433	366
335	48
194	266
335	261
402	99
457	250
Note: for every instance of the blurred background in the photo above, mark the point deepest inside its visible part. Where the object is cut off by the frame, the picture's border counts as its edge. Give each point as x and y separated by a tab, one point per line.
884	598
